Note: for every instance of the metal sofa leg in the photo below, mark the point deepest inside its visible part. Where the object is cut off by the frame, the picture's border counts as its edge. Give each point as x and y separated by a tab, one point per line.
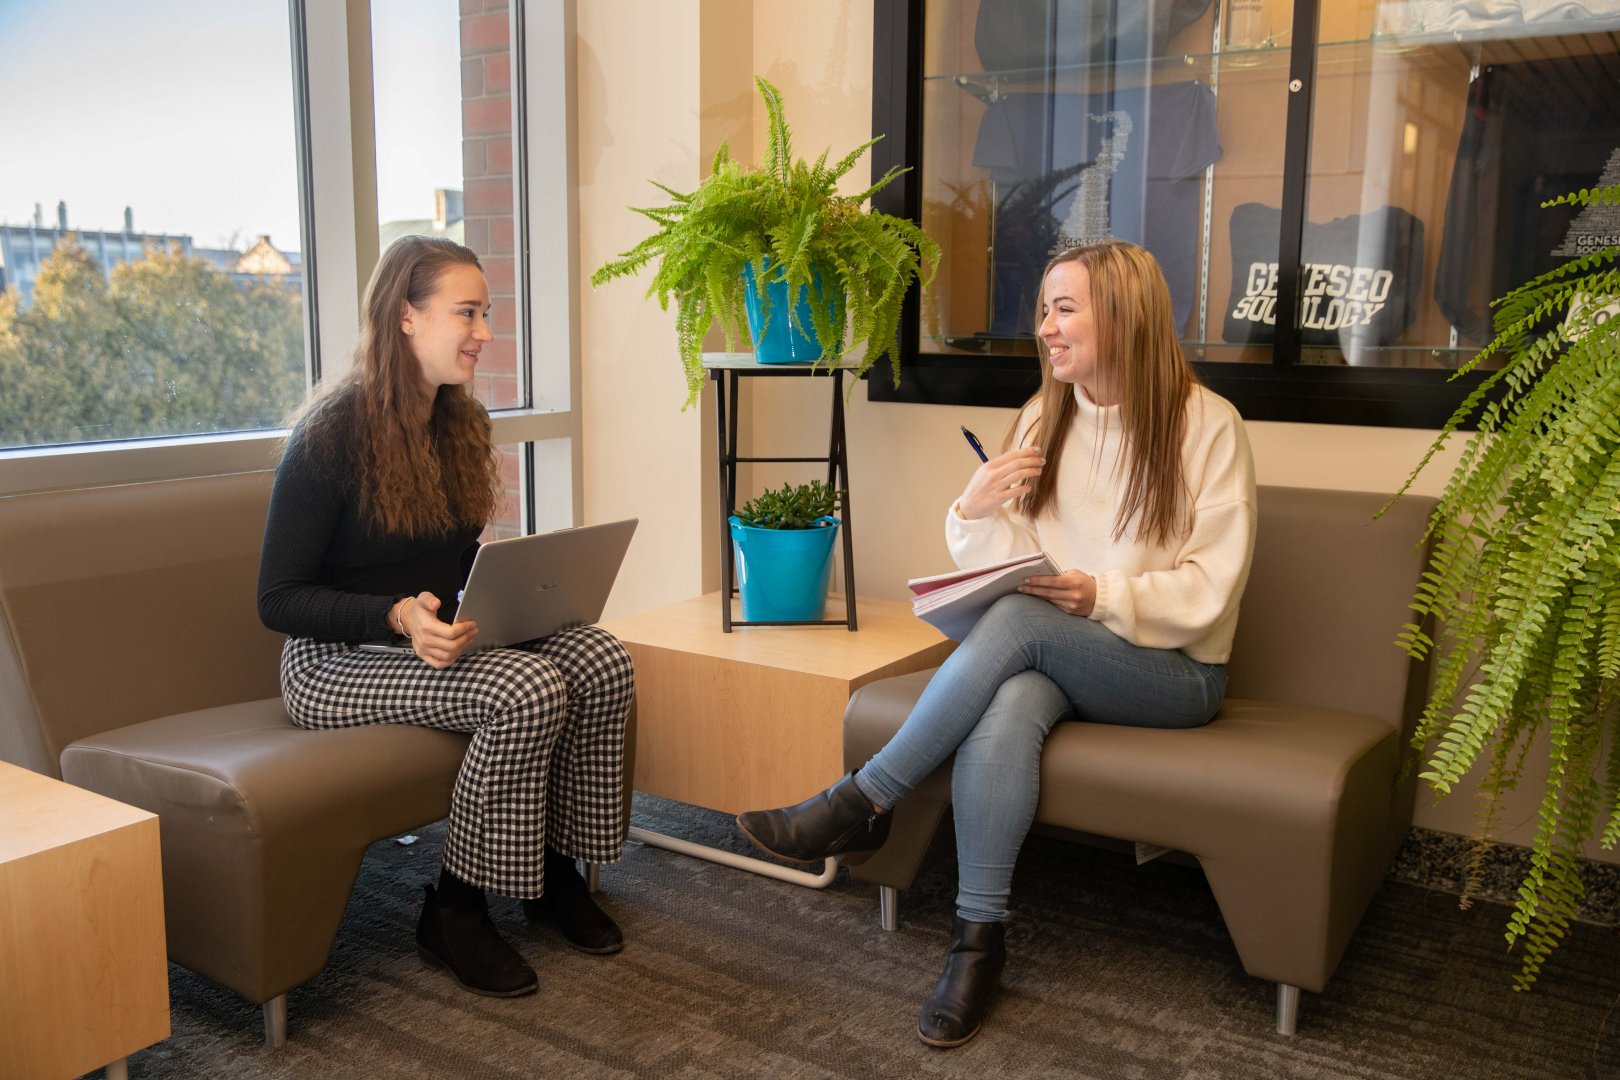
275	1022
593	877
1287	1008
889	907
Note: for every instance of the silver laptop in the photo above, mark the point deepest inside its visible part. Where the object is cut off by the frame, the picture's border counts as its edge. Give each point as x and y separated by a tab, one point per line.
533	586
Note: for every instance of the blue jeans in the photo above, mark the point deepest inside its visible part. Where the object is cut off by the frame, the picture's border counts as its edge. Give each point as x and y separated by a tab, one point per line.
1024	666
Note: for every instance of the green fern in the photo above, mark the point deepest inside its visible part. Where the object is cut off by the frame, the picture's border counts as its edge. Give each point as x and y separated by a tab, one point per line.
1525	583
788	220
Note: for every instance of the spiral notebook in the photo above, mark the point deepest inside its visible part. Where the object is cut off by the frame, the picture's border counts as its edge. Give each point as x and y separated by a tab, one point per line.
953	602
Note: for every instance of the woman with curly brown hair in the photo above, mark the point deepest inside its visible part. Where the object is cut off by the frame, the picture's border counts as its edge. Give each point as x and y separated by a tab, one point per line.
384	485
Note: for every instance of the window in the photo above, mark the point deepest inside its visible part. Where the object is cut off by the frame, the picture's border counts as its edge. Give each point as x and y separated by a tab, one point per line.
442	79
153	280
442	73
260	105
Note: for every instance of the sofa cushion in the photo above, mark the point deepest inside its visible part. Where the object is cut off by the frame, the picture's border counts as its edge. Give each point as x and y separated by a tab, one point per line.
1257	772
1257	764
383	777
86	575
1329	589
263	826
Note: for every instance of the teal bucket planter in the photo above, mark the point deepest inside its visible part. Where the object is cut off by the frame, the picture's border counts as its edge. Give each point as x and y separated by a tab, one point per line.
782	573
785	341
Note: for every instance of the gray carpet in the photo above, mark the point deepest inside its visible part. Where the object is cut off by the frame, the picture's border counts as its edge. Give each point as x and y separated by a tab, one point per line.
1116	971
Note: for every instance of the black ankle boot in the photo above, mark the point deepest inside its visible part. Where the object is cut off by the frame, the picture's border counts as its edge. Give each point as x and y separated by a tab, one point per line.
838	821
459	937
955	1010
568	903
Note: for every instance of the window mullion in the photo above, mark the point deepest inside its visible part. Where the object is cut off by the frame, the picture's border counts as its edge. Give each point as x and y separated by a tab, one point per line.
342	155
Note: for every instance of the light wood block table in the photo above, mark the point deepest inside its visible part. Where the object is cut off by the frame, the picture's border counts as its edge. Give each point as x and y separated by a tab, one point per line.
84	974
755	718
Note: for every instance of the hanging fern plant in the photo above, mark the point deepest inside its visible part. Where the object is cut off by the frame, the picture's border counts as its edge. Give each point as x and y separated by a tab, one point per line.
790	222
1526	583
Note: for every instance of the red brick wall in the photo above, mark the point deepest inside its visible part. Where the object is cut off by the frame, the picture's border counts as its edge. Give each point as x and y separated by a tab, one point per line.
486	156
509	518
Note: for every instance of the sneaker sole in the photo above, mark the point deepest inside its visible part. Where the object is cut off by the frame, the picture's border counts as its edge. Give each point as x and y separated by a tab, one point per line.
433	961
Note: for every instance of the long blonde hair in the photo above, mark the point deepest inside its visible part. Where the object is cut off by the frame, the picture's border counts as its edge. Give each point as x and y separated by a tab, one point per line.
1140	359
408	484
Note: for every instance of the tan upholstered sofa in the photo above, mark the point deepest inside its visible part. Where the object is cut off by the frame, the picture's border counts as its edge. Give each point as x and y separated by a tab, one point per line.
133	663
1291	799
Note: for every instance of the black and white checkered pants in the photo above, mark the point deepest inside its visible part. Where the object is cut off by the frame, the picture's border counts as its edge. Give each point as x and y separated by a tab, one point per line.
546	761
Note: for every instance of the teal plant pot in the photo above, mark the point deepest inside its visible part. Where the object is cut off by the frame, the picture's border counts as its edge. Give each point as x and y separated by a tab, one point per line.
782	573
784	340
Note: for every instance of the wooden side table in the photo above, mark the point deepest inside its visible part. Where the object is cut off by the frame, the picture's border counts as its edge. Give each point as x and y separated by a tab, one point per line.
84	973
755	718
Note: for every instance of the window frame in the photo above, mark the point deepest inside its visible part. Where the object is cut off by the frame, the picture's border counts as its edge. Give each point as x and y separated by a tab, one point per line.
330	54
1284	390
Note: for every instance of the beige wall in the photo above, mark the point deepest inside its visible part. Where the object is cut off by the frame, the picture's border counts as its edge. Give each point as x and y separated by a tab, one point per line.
680	77
640	92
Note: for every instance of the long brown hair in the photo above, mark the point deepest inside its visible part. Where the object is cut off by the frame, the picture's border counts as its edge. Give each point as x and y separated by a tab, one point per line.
408	484
1140	360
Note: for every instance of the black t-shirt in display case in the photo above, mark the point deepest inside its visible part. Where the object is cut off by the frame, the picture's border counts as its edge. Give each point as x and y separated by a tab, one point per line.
1533	130
1073	168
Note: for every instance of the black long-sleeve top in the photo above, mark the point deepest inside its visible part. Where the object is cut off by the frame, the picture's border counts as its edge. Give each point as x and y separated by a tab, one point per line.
328	574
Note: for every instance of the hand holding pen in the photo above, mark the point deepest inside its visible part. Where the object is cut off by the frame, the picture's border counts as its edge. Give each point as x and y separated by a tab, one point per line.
999	479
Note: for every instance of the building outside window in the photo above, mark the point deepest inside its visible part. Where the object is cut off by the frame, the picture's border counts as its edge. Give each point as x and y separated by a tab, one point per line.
153	282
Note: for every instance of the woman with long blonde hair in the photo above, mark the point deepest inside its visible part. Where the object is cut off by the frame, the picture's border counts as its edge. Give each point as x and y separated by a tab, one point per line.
1139	482
383	487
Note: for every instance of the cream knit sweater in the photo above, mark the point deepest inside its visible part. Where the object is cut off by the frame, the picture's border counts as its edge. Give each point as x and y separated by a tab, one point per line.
1183	595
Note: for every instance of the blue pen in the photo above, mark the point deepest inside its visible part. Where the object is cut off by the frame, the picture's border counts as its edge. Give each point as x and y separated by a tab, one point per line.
973	442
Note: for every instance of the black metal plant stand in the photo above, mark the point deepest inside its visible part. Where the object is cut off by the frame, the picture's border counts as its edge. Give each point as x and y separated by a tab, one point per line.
726	371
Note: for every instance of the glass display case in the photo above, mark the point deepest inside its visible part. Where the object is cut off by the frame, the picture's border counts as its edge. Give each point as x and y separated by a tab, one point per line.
1371	169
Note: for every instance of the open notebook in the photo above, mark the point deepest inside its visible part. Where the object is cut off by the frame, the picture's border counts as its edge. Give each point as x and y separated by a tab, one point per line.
953	602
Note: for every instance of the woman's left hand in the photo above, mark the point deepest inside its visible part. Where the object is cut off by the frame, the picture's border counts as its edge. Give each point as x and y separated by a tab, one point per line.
437	644
1074	591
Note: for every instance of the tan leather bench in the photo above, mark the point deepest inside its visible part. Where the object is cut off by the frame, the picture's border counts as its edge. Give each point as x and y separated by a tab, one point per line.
1291	799
133	663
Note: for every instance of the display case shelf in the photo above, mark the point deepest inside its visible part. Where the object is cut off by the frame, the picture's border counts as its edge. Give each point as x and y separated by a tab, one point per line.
990	86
